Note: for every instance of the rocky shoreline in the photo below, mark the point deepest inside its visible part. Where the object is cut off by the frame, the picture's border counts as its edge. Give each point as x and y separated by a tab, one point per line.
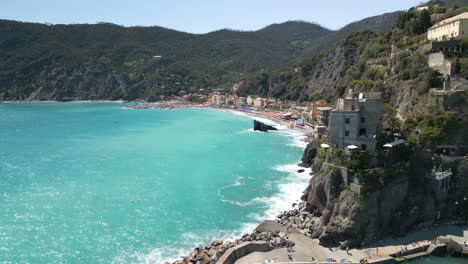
211	253
332	213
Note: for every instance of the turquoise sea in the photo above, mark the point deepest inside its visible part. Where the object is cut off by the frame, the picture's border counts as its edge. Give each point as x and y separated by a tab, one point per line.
96	183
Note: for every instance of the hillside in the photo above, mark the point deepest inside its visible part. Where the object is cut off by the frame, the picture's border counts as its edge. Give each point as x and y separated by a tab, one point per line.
449	3
394	63
378	24
107	61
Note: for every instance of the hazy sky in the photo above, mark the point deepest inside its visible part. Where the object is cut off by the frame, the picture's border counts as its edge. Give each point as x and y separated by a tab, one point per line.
198	16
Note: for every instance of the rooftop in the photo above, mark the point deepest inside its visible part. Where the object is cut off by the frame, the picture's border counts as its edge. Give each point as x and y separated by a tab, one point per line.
325	108
366	95
440	175
452	19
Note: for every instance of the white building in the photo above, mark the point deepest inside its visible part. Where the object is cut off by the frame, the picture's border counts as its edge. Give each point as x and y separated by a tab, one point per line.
452	28
250	99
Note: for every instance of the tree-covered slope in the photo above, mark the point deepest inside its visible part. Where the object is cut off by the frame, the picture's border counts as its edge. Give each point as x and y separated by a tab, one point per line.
67	61
106	61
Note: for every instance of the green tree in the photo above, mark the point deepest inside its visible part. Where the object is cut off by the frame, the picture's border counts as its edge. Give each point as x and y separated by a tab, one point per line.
391	123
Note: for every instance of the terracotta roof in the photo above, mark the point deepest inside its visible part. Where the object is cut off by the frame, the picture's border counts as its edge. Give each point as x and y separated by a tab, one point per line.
452	19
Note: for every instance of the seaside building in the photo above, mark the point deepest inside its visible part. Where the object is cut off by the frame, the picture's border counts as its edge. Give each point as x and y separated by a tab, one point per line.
212	97
300	121
452	28
421	8
241	101
260	102
355	122
315	106
221	100
250	99
234	98
218	99
229	100
323	115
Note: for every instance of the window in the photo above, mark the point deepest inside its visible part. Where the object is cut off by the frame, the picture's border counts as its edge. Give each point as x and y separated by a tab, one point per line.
364	147
362	132
346	120
363	119
346	133
353	107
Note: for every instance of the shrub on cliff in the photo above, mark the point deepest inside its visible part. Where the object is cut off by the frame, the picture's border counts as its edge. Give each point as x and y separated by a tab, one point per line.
437	127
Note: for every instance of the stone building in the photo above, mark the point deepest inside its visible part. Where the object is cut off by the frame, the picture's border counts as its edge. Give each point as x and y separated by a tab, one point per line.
440	182
452	28
356	120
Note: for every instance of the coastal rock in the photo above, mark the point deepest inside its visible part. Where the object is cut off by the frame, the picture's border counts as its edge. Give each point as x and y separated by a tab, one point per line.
216	243
386	206
309	155
259	126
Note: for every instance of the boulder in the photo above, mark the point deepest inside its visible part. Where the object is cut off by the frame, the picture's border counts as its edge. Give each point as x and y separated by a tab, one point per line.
309	155
259	126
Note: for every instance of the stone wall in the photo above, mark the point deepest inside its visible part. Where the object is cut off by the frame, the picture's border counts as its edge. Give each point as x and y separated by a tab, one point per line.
438	62
242	250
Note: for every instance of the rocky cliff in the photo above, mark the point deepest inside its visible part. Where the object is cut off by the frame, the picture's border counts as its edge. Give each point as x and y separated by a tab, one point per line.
318	76
399	202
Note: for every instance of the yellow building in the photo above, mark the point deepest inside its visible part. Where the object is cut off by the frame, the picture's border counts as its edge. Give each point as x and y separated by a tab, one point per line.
315	105
452	28
229	100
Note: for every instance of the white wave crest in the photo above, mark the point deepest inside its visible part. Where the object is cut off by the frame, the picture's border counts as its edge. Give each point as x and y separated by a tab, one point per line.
237	182
188	242
296	137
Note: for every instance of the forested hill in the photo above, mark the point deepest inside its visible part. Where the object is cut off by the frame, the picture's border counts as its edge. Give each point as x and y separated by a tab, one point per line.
107	61
40	61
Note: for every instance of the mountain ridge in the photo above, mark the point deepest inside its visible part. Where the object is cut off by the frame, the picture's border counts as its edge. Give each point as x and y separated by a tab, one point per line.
107	61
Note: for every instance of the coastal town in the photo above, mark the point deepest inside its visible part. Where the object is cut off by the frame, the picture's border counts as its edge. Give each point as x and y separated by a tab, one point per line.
339	134
358	150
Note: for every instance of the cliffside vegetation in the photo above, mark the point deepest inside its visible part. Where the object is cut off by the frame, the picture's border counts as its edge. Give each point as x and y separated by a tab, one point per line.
357	203
394	63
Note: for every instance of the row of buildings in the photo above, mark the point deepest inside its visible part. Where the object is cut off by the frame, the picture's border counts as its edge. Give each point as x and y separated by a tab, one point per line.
251	100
